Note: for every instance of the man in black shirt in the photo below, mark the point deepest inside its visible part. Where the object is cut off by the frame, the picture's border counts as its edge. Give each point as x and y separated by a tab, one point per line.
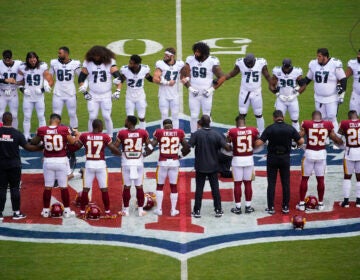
279	136
207	143
10	164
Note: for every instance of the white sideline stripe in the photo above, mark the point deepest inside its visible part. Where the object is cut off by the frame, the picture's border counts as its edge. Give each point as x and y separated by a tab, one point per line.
179	49
184	270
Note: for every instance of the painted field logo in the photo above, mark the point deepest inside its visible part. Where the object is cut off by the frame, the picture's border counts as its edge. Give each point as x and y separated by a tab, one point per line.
228	45
151	47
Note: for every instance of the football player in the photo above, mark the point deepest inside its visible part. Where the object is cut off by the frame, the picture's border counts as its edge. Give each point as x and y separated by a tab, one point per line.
287	84
351	130
56	164
353	69
64	69
167	76
8	88
326	72
35	77
95	165
242	139
169	140
197	76
135	74
314	160
98	67
132	141
251	69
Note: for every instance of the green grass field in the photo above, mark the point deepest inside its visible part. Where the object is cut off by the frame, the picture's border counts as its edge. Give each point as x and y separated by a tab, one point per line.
280	29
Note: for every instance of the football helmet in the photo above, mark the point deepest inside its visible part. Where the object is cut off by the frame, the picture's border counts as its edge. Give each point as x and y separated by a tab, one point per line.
92	212
148	201
56	210
311	202
298	222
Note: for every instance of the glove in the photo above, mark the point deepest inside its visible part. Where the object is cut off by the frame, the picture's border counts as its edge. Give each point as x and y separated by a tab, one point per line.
87	96
283	98
339	89
195	92
38	91
208	92
277	94
292	97
27	92
83	89
341	98
296	89
47	87
116	81
116	94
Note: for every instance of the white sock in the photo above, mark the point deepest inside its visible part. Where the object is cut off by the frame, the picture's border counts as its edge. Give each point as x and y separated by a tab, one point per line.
238	205
247	203
159	199
296	125
260	124
346	187
140	209
193	124
173	199
357	189
142	125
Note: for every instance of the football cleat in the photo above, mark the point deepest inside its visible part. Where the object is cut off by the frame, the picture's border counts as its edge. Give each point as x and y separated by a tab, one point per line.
285	209
124	212
344	204
196	214
300	206
249	209
141	213
109	215
320	206
174	213
311	202
218	213
45	213
298	222
68	214
92	212
270	210
158	212
236	210
18	216
56	210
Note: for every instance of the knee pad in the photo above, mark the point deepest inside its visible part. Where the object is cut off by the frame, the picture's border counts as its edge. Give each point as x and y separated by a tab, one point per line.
294	121
258	116
142	119
243	115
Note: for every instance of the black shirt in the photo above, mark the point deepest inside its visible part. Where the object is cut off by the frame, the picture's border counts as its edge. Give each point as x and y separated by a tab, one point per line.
279	135
207	143
10	140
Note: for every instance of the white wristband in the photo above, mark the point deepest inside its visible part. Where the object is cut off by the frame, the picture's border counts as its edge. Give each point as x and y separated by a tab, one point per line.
150	146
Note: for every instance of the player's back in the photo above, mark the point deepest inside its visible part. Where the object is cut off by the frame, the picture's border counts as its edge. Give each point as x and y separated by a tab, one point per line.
351	131
317	132
169	143
55	140
95	144
243	139
132	142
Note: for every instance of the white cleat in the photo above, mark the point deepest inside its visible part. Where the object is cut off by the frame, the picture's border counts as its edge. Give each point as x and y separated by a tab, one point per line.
320	206
68	214
142	213
45	213
174	212
300	207
124	212
158	212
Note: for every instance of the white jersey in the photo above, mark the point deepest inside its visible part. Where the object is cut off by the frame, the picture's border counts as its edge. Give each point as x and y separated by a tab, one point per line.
34	80
65	74
9	72
251	77
286	82
100	80
325	79
169	72
135	81
201	73
355	67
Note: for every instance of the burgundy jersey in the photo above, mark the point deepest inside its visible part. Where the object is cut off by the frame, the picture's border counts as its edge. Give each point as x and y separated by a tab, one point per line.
243	139
351	130
95	144
55	140
169	142
317	132
132	142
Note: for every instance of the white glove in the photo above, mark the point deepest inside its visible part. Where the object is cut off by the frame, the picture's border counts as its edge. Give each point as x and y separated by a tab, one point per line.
296	89
208	92
116	81
87	96
195	92
341	97
164	82
283	98
277	94
7	92
47	87
116	94
27	92
292	97
38	91
83	89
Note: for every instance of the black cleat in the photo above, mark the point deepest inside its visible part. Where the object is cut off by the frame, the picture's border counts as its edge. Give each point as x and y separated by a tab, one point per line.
345	203
285	209
249	209
270	210
19	216
196	214
236	210
218	213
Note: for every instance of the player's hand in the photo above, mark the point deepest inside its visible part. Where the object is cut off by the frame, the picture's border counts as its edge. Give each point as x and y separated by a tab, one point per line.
292	96
87	96
83	89
38	91
195	92
208	92
10	81
296	90
341	98
117	81
339	89
116	94
185	80
283	98
47	87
